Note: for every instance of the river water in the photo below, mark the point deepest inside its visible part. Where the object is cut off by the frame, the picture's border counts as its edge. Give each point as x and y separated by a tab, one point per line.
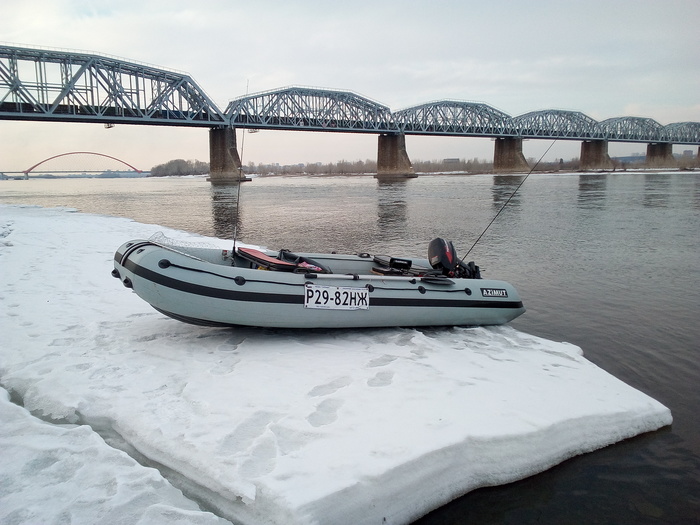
607	261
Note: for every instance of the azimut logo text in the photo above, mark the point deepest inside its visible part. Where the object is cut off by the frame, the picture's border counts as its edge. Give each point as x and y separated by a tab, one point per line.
494	292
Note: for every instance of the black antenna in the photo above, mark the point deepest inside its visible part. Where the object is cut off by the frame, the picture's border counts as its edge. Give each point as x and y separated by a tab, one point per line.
508	200
238	192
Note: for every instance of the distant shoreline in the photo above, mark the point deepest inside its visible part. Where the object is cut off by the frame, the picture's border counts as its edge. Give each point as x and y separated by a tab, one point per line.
371	175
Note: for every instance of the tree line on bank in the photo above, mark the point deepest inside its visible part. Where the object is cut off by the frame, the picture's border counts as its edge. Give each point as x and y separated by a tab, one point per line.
361	167
343	167
180	167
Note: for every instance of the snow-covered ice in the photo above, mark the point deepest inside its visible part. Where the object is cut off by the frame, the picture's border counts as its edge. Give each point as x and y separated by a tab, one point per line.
260	426
67	474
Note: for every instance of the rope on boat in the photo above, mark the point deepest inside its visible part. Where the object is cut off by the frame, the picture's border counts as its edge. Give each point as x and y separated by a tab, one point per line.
240	280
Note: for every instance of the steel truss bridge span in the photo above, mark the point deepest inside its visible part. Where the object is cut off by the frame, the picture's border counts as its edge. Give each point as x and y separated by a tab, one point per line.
48	85
37	84
311	109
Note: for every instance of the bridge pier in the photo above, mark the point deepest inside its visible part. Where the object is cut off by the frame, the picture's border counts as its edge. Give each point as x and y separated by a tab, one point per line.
392	158
660	155
508	155
224	161
594	155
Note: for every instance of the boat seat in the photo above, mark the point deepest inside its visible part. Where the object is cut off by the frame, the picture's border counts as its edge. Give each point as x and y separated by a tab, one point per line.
284	262
265	261
304	264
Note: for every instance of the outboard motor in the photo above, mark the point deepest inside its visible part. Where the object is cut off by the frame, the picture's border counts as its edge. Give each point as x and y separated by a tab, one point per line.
443	257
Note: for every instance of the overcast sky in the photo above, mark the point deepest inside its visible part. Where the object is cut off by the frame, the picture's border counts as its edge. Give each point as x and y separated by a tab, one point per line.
606	58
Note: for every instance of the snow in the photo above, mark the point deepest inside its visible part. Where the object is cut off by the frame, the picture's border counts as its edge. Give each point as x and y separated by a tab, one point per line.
262	426
67	474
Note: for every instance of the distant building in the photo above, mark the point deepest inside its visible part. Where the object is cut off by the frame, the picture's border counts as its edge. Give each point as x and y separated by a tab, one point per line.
637	158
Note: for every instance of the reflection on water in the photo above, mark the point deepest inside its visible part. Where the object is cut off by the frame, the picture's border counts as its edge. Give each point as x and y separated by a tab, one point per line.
503	188
224	209
656	189
391	208
591	190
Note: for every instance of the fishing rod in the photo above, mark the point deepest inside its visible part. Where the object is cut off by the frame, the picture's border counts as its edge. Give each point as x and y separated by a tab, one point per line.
508	200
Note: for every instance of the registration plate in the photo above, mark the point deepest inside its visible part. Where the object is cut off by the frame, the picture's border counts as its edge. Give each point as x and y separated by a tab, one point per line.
336	297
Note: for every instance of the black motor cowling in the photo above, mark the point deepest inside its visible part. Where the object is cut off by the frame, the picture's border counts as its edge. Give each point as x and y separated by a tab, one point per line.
443	256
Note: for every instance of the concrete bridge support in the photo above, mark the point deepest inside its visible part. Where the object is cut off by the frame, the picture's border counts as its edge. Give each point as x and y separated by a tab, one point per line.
392	158
660	155
508	155
594	155
224	162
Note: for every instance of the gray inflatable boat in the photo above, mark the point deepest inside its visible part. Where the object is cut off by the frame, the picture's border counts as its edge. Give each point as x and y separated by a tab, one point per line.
254	287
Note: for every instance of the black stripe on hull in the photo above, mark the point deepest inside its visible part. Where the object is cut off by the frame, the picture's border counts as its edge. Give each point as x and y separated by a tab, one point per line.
209	291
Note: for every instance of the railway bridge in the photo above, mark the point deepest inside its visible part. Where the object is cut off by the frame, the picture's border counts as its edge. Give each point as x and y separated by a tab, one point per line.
51	85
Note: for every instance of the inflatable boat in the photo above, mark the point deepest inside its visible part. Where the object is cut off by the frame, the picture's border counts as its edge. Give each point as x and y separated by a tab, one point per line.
256	287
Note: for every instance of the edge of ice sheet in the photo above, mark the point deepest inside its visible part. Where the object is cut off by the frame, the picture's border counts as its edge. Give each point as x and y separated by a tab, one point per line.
275	426
445	479
53	473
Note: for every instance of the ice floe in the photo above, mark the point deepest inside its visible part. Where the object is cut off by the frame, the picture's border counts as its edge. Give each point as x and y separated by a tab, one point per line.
263	426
